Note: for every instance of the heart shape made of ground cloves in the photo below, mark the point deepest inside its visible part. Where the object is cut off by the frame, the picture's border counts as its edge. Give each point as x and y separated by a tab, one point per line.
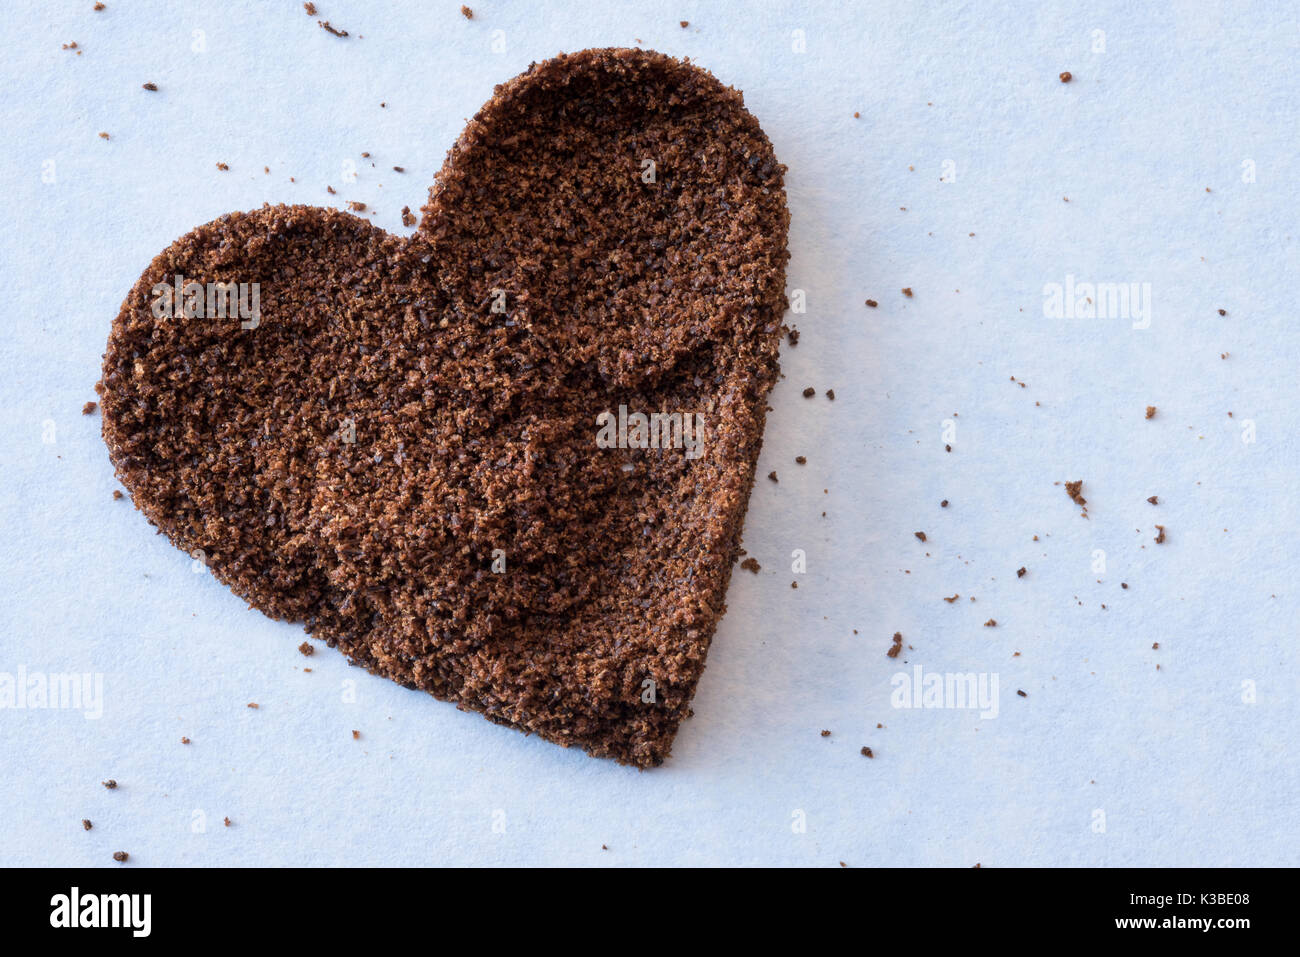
401	448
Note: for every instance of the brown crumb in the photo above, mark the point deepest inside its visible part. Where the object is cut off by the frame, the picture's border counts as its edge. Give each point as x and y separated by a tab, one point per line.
356	207
225	168
944	503
952	599
407	218
121	856
399	169
825	733
1075	490
103	136
88	408
307	649
794	584
1021	693
793	336
1223	312
310	8
1067	76
801	460
685	23
253	705
116	495
830	394
1151	412
1020	572
467	13
991	623
1160	538
866	752
85	824
356	735
809	392
98	6
151	87
897	646
1155	646
110	784
1123	584
226	821
907	291
1154	500
772	475
330	190
185	740
325	25
751	565
920	535
872	303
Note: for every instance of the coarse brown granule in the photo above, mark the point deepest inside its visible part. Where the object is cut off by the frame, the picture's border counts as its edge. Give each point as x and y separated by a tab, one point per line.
399	169
307	649
991	623
1021	693
407	218
801	459
751	565
947	448
794	584
225	821
1160	538
1067	76
684	24
1155	646
1154	500
366	155
920	535
88	408
907	291
1223	312
356	735
1075	491
310	8
809	392
116	494
103	136
1020	572
467	13
110	784
325	25
185	740
866	752
98	5
151	87
830	394
331	190
944	503
897	646
121	856
85	824
356	206
223	167
952	599
470	429
872	303
253	704
825	733
1123	584
1151	412
70	46
772	475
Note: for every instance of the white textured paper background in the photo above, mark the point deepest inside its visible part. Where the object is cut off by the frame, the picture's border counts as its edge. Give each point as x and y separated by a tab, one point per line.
1189	764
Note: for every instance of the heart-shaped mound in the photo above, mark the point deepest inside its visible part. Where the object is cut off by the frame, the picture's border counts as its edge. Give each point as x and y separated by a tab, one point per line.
415	446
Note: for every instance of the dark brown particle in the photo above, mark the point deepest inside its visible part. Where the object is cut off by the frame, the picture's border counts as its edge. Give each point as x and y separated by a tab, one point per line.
467	13
751	565
307	649
88	408
1067	76
110	784
325	25
1075	491
897	646
809	392
920	535
151	87
866	752
1021	572
1151	412
121	856
85	824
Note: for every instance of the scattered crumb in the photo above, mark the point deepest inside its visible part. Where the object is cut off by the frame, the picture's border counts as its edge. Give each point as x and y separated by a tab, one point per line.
325	25
226	821
1155	646
253	705
407	218
1067	76
399	169
830	394
772	475
1151	412
356	207
866	752
944	503
185	740
872	303
991	623
467	13
223	167
1074	490
920	535
825	733
1160	538
151	87
103	136
801	460
1021	693
116	495
1020	572
330	190
897	646
121	856
356	735
809	392
907	291
85	824
952	599
751	565
98	7
307	649
685	23
1223	312
88	408
310	8
110	784
1123	584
